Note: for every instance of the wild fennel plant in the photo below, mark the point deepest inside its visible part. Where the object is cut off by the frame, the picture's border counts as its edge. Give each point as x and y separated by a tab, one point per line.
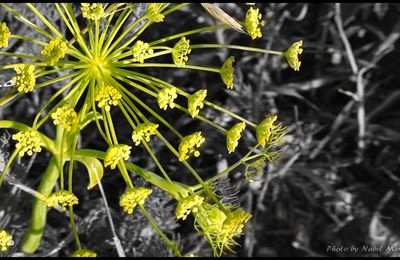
100	71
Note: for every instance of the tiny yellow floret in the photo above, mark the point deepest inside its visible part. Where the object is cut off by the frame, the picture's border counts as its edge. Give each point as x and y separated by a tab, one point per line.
92	11
115	153
227	71
143	132
233	136
4	35
108	96
5	241
84	253
181	51
27	142
190	146
166	97
66	117
25	79
292	55
61	199
252	23
153	12
141	50
133	197
265	129
195	102
188	205
54	51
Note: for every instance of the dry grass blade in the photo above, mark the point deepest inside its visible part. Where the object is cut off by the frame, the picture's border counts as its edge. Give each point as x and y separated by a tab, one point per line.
223	17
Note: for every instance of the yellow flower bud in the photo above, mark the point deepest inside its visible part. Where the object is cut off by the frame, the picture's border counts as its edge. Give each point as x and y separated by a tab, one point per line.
292	55
195	102
166	97
66	117
233	136
108	96
28	142
153	12
133	197
25	79
265	129
5	241
180	52
84	253
190	146
115	153
143	132
227	72
4	35
61	199
188	205
54	51
252	23
92	11
141	50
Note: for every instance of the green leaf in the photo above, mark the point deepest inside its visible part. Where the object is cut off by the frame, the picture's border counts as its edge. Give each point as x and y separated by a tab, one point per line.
94	167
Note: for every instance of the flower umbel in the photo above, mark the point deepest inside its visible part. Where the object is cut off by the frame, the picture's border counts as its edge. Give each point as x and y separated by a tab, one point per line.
195	102
133	197
252	23
5	241
227	72
115	153
233	136
153	12
292	55
92	11
188	205
4	35
25	79
181	51
84	253
143	132
54	51
28	142
108	96
61	199
66	117
190	146
265	129
166	97
141	50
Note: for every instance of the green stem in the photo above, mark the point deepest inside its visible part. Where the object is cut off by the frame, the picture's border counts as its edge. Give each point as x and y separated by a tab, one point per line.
236	47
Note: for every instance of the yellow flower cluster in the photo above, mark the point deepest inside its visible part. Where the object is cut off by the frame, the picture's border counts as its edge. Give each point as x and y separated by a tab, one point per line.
115	153
61	199
233	136
25	79
108	96
190	146
66	117
195	102
133	197
252	23
141	50
220	229
265	129
92	11
153	12
292	55
84	253
28	142
4	35
54	51
5	241
166	97
143	132
227	72
180	52
188	205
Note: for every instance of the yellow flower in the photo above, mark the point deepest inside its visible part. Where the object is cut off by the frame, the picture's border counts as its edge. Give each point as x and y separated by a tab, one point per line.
54	51
108	96
227	72
233	227
143	131
66	117
115	153
195	102
141	50
133	197
4	35
292	55
25	79
265	129
61	199
188	205
252	23
92	11
84	253
190	146
166	97
28	142
180	52
5	241
233	136
153	12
